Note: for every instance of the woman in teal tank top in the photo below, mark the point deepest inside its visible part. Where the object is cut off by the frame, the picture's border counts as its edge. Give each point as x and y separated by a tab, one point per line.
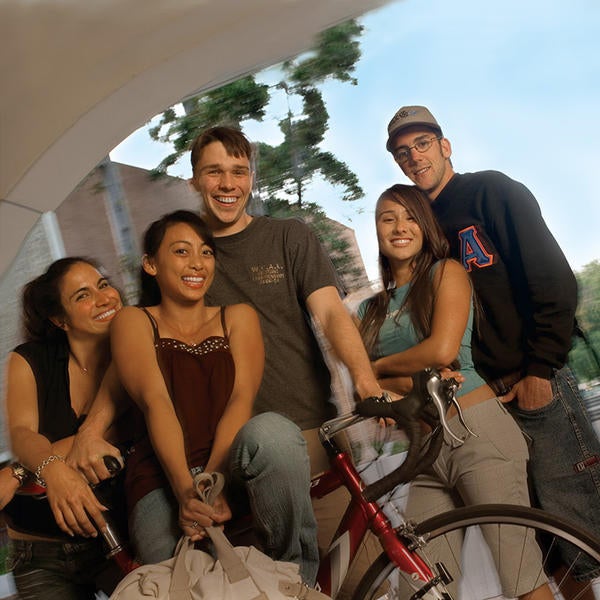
423	317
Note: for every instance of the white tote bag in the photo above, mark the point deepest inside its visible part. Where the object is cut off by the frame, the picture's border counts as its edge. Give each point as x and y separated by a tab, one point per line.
240	573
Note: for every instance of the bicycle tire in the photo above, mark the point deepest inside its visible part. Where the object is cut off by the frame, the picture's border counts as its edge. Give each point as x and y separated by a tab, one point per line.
378	583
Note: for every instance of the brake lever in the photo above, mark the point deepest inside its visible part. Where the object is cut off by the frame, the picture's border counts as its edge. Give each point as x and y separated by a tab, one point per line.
443	393
461	417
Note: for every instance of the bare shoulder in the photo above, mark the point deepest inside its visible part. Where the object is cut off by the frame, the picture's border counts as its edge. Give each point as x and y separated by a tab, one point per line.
451	269
241	317
129	316
17	365
240	312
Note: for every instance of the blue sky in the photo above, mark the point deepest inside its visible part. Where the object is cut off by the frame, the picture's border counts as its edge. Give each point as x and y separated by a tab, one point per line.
514	84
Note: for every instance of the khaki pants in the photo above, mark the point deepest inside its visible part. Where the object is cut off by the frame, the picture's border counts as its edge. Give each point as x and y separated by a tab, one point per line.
329	511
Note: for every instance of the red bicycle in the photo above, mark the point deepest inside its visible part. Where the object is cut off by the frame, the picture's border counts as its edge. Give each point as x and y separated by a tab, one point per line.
406	568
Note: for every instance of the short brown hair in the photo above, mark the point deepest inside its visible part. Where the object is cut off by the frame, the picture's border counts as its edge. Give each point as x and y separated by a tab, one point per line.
235	142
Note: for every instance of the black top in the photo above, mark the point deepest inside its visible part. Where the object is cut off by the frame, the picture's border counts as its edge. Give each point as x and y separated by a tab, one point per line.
57	420
526	289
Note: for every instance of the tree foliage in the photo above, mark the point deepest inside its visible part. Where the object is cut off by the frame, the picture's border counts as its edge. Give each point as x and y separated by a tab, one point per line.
228	105
292	165
288	168
586	353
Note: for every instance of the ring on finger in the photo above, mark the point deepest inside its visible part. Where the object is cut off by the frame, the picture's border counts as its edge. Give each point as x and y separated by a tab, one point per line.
194	524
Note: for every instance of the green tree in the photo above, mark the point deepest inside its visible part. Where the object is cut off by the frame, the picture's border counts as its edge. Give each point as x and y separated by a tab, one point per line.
293	164
585	354
290	166
588	280
228	105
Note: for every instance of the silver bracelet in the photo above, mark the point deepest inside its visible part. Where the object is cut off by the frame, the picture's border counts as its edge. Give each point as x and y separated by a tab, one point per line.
43	465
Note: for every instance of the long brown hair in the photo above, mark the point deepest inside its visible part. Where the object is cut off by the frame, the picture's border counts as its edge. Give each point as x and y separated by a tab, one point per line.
419	299
235	142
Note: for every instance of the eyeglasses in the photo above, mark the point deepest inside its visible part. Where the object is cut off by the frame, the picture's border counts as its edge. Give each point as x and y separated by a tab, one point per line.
402	154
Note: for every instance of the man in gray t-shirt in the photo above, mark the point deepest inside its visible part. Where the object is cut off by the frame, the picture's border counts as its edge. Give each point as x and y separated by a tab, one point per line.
285	266
279	267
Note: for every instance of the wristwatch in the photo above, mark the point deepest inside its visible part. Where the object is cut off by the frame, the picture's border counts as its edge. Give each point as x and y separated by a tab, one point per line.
19	472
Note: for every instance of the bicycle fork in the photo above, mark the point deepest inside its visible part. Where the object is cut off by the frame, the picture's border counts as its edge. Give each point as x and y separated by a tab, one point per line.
400	546
427	584
360	516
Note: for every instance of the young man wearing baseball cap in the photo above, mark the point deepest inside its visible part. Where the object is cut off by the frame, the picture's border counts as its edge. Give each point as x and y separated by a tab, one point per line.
528	297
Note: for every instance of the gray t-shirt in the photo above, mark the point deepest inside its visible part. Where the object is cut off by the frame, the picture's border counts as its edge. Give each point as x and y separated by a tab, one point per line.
274	265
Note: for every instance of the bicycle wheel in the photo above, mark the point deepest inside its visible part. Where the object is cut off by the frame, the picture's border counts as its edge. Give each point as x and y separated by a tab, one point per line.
383	581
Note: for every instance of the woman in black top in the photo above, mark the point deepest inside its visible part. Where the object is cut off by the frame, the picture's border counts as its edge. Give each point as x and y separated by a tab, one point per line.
52	380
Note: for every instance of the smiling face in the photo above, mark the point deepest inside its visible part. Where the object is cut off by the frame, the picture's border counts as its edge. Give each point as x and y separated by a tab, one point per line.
431	170
399	236
224	183
88	300
184	265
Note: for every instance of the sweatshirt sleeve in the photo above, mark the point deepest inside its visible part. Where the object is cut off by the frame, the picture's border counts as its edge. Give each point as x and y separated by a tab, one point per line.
543	283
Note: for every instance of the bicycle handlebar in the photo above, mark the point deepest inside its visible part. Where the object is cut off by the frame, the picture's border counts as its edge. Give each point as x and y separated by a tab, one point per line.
428	401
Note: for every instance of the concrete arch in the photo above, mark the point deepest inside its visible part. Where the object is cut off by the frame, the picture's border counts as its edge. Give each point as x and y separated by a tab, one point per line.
79	77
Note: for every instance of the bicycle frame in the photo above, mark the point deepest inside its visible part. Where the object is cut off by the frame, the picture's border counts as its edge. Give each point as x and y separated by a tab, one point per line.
359	517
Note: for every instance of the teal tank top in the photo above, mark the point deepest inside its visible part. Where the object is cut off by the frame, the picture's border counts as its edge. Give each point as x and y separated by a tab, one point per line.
398	334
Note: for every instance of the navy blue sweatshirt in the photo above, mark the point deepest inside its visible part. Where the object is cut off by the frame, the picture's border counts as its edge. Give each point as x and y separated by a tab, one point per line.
526	290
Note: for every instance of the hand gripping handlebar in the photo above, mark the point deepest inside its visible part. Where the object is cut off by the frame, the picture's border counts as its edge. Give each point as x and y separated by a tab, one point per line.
31	487
428	402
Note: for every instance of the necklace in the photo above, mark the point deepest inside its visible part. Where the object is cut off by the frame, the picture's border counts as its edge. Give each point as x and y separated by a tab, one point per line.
84	370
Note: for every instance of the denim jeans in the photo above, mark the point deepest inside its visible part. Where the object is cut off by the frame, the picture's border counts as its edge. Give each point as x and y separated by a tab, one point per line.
565	460
269	458
154	526
61	571
270	476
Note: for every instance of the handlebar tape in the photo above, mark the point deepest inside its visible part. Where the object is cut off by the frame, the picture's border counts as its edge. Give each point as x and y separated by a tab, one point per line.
408	413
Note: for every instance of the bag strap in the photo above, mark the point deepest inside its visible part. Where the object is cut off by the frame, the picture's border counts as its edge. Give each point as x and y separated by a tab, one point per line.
179	588
208	486
301	591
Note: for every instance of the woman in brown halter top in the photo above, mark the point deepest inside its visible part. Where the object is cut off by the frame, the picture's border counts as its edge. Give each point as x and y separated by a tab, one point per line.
193	371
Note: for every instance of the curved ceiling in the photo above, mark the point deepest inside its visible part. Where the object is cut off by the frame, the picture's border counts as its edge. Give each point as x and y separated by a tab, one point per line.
79	77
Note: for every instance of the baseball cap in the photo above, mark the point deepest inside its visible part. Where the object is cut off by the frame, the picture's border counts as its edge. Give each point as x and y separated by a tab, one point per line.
408	116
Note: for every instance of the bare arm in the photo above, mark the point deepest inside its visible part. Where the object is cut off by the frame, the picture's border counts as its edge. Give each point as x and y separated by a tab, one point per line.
452	304
248	353
91	444
247	349
132	336
8	486
327	308
70	498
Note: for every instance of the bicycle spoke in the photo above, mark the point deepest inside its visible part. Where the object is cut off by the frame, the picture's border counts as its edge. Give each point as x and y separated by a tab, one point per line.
510	533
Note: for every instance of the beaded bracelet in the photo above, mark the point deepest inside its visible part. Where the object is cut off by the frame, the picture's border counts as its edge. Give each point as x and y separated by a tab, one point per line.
43	465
